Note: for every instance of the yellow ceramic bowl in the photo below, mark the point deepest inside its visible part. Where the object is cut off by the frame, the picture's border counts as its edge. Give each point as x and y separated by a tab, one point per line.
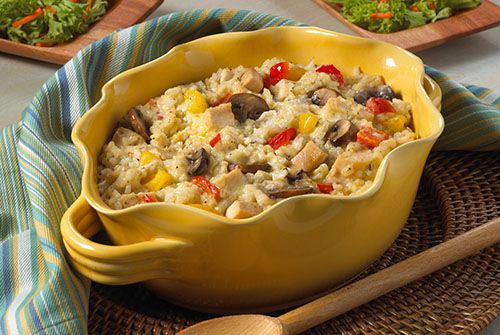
295	250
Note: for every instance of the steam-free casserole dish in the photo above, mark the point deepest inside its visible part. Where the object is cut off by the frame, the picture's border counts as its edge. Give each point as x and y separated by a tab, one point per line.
297	248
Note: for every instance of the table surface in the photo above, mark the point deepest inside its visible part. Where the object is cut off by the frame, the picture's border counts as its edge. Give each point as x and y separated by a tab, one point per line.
473	59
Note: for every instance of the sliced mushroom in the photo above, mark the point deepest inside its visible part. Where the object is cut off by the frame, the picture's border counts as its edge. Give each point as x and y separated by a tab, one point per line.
247	106
342	132
252	80
290	191
363	95
321	96
384	91
136	121
197	162
251	168
294	175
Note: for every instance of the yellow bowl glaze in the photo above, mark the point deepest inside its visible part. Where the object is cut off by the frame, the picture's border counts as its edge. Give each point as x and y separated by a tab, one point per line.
295	250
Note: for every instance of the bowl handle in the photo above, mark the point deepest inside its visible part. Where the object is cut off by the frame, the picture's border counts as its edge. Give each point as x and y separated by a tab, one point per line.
433	91
114	265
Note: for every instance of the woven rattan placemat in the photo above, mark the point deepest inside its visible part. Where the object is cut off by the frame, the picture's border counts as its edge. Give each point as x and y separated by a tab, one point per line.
458	191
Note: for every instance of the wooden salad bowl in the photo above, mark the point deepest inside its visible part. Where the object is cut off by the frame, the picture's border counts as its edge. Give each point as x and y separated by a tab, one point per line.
120	14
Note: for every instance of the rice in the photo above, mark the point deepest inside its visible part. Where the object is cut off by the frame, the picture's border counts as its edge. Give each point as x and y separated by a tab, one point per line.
244	168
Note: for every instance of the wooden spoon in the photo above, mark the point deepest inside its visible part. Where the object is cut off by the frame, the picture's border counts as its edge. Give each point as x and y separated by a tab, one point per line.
357	293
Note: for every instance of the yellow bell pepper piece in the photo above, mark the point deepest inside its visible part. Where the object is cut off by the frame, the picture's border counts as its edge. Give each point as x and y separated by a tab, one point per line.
196	101
295	73
147	157
159	180
395	123
307	122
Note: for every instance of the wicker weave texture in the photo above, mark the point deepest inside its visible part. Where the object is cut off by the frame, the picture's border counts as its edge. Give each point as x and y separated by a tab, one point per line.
458	192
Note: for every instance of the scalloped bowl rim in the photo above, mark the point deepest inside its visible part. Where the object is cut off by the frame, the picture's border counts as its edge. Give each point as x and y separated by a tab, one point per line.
377	182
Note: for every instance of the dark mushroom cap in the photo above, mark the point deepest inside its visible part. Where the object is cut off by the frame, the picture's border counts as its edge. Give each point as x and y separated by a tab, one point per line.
251	168
247	106
384	91
197	162
342	132
136	121
321	96
362	96
294	175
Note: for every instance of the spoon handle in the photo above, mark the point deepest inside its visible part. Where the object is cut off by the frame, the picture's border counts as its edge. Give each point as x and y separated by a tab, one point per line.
393	277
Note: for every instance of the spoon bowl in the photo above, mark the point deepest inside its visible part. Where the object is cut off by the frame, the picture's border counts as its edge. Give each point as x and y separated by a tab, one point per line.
246	324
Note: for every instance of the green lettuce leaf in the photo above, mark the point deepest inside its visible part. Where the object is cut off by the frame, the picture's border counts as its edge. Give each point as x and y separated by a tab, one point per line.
69	20
360	12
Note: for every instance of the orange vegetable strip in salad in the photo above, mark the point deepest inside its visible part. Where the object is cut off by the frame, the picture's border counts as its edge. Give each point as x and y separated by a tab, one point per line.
44	44
381	16
29	18
50	9
89	5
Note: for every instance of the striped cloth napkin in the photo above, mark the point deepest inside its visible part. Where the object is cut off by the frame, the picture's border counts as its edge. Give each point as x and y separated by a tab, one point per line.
41	171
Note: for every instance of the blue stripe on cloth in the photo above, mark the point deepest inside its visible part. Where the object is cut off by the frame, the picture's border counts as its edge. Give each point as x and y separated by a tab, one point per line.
7	281
7	287
65	102
36	319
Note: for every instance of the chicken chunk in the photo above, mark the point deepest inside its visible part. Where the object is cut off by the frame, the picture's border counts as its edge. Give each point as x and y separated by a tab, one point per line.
125	137
231	182
242	209
220	116
252	80
309	158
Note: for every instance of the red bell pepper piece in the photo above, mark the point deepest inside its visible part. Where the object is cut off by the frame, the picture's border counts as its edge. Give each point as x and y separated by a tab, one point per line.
148	198
325	187
267	82
206	186
370	137
332	71
282	138
223	99
277	72
379	106
213	142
